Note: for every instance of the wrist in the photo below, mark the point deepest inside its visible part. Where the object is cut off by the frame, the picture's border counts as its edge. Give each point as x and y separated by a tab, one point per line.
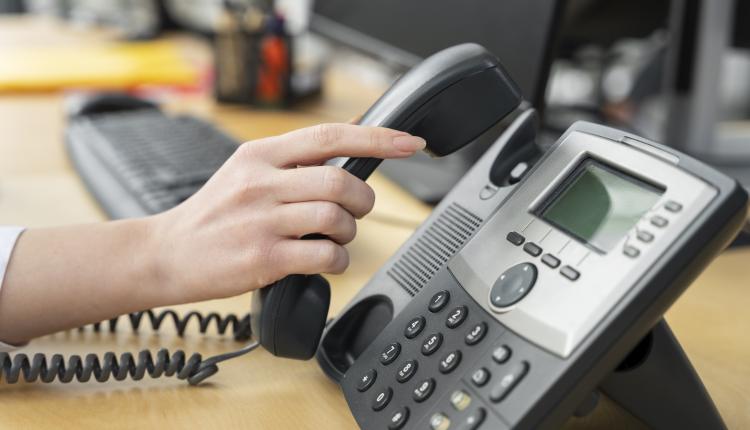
151	262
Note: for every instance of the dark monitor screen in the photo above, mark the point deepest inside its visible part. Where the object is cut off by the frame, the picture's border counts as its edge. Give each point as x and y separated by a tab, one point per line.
519	32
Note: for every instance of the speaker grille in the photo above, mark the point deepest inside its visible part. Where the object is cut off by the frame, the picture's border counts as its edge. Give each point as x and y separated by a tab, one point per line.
434	247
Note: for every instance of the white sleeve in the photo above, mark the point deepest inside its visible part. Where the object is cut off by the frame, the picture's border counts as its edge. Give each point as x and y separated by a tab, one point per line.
8	238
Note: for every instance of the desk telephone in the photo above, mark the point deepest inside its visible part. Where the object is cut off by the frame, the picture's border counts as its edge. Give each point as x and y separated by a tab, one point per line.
540	280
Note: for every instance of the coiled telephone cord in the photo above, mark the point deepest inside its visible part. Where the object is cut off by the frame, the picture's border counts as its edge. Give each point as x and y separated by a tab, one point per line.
194	368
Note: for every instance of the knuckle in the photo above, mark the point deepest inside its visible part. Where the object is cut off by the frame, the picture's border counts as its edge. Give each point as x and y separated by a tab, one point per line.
328	255
326	134
334	181
377	138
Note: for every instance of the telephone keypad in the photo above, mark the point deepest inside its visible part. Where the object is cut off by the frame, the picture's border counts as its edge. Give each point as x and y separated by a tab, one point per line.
407	370
390	353
476	334
456	317
438	301
432	343
398	419
424	390
381	400
366	380
414	327
450	361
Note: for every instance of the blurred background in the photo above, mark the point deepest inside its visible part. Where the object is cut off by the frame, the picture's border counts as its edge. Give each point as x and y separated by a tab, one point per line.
675	71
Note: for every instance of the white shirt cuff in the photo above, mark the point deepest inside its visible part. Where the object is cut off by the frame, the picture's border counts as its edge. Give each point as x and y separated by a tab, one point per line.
8	238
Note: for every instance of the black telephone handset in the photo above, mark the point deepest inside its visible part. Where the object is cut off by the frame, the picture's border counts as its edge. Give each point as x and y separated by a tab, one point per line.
449	99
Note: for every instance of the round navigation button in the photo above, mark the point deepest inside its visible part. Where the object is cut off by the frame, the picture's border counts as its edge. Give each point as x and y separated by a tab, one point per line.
513	285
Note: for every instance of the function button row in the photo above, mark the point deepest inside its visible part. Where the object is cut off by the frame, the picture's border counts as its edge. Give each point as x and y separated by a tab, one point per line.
550	260
390	353
501	354
398	419
456	316
423	390
659	221
450	361
432	343
476	334
631	251
570	273
508	381
366	380
515	238
415	326
480	377
382	399
407	370
673	206
438	301
532	249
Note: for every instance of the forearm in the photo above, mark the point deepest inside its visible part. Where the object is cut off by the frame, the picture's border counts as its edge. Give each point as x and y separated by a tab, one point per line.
64	277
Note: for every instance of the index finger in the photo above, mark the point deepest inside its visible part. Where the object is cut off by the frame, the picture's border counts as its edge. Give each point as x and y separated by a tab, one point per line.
325	141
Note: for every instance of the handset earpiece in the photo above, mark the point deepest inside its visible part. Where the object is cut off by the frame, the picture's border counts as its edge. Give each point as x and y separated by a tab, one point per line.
449	99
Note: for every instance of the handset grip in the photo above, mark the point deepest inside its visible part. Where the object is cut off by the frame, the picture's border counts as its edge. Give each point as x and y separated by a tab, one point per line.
449	99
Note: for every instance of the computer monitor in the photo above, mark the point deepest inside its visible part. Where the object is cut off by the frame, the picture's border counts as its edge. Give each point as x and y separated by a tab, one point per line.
520	32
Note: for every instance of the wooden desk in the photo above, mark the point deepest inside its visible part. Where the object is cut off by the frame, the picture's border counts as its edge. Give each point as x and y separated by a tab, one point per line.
38	187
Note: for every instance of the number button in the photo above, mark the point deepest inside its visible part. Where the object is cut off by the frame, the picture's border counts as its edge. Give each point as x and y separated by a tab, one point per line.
424	390
438	301
432	343
382	399
366	381
476	334
414	327
390	353
407	371
456	317
450	362
399	418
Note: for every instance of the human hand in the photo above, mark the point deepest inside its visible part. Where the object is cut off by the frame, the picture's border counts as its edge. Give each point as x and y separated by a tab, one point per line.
242	230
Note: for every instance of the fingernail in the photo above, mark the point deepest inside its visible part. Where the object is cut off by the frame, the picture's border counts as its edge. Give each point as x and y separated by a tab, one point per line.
409	143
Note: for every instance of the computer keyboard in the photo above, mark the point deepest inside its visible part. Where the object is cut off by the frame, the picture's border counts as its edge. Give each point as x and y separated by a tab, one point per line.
141	162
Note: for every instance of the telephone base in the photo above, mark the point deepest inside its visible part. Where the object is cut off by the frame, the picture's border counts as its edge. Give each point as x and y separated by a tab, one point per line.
660	387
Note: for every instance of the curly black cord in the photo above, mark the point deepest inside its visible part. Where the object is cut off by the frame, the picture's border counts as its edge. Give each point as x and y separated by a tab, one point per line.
240	327
194	368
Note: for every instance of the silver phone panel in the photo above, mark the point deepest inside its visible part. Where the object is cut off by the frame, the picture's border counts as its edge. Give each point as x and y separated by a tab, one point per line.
557	314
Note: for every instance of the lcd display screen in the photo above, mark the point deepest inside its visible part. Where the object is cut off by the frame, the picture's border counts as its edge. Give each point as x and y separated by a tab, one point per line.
599	205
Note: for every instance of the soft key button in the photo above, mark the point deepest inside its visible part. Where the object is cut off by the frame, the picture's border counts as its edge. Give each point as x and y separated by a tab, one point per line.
513	285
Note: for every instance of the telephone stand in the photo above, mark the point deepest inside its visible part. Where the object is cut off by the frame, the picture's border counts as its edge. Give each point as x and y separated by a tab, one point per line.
657	384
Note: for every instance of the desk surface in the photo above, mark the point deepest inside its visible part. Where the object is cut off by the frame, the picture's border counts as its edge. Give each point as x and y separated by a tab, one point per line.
39	187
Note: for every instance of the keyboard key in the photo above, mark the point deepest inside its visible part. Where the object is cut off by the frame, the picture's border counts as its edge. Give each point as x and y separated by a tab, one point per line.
456	317
390	353
407	370
480	377
423	390
533	249
515	238
449	362
415	326
476	334
508	381
366	380
501	354
381	400
398	419
432	343
438	301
